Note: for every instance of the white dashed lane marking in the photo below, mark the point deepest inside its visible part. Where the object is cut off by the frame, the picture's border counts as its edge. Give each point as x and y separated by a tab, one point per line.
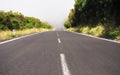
64	65
59	41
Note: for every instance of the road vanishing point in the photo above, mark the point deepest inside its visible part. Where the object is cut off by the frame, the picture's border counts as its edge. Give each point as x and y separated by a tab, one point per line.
59	53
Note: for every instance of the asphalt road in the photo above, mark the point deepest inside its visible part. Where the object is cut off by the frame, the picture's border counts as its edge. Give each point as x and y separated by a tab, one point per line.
59	53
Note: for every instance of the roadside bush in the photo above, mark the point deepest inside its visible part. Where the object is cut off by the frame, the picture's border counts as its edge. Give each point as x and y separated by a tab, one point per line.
3	27
46	25
111	33
67	24
28	26
85	30
97	31
118	37
15	23
37	25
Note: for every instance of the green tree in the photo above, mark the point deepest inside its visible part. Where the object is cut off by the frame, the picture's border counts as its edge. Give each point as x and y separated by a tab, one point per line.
93	12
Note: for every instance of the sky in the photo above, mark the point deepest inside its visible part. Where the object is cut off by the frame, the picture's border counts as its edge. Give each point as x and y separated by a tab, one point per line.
54	12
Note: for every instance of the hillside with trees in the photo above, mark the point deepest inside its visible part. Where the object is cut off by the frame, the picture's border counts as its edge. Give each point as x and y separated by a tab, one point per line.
96	17
10	21
14	20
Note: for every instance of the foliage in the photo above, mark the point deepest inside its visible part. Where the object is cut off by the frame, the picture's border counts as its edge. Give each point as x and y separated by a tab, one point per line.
85	30
3	27
37	25
46	25
101	31
15	23
97	31
88	14
93	12
14	20
67	24
113	33
29	26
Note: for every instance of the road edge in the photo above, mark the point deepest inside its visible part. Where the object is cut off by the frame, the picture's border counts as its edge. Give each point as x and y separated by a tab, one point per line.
114	41
17	38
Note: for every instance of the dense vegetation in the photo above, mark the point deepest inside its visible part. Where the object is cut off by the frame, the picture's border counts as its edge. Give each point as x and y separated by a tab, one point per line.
96	13
14	24
14	20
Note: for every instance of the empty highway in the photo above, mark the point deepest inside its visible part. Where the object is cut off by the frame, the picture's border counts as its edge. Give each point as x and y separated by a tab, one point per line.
59	53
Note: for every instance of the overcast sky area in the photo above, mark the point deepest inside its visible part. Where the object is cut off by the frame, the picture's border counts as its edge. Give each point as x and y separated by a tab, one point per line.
51	11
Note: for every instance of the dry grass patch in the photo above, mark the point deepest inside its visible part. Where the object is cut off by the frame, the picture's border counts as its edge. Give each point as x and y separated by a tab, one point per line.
4	35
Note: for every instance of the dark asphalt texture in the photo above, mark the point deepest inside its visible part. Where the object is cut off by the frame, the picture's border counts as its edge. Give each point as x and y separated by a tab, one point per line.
40	55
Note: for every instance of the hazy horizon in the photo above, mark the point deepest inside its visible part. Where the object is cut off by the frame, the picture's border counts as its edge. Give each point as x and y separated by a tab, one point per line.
52	11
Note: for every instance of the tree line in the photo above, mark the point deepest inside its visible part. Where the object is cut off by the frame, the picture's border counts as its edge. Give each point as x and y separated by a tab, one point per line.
95	17
15	20
94	12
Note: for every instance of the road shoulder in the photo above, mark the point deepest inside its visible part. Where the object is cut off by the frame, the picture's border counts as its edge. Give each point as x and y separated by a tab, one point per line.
114	41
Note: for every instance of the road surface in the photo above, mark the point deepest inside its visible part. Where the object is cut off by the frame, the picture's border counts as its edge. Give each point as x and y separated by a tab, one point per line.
59	53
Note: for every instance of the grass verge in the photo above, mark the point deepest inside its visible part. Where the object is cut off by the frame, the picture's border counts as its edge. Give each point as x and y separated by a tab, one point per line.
4	35
99	31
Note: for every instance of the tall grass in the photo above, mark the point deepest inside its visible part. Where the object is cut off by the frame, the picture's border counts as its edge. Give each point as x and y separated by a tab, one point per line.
100	31
4	35
97	31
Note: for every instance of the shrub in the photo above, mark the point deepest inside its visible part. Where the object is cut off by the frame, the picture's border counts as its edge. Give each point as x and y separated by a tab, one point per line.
3	27
97	31
113	34
37	25
85	30
67	24
118	37
45	25
15	23
28	26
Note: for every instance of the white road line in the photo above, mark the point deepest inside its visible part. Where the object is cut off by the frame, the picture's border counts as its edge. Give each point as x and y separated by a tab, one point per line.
19	38
59	41
64	65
